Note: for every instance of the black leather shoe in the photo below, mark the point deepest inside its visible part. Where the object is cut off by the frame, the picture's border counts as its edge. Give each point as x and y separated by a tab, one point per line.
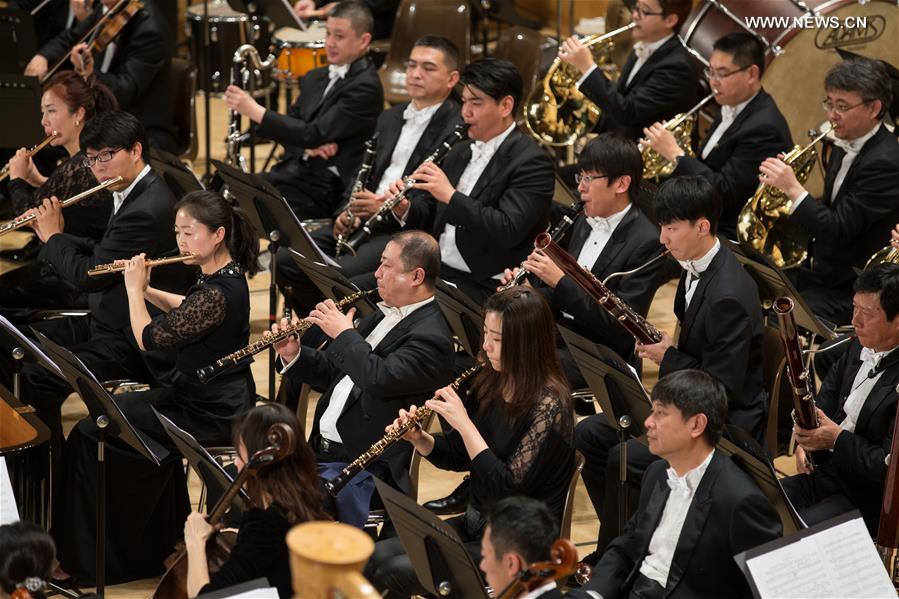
454	503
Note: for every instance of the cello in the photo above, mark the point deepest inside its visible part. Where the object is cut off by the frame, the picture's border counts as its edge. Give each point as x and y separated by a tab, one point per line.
562	563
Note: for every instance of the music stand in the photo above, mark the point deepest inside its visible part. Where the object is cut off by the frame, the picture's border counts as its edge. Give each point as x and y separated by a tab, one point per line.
464	315
111	423
22	350
18	42
619	392
331	282
441	561
180	179
278	12
20	107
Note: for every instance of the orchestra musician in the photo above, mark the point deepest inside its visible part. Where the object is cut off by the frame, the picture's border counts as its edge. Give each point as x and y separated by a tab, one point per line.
697	507
515	432
749	128
283	494
383	11
26	560
856	408
325	128
860	202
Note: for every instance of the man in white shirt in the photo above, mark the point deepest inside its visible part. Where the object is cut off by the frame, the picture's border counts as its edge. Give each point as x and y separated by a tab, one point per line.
856	411
697	508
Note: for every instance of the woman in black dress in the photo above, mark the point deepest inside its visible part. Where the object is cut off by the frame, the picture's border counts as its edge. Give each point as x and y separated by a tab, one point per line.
516	435
282	494
148	504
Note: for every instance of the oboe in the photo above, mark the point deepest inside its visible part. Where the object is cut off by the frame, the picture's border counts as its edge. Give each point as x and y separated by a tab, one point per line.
395	434
120	265
207	373
4	172
23	220
368	160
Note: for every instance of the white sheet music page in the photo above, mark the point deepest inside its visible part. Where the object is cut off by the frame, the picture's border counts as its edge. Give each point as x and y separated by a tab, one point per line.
9	513
839	562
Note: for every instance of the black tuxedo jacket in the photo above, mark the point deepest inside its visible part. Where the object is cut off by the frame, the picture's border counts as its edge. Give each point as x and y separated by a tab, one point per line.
410	363
346	116
507	208
143	224
663	87
858	221
633	242
140	74
722	334
729	514
759	132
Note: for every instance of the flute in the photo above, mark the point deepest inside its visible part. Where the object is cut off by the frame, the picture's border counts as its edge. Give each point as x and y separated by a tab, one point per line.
21	221
4	172
120	265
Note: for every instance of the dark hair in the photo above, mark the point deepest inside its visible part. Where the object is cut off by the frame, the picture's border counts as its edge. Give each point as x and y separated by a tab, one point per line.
681	8
495	77
530	364
615	156
866	76
292	483
419	250
75	93
688	198
241	238
523	525
358	14
114	129
695	392
744	48
26	551
446	46
882	279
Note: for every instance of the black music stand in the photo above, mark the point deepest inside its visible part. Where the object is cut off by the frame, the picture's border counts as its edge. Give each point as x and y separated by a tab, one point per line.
111	423
18	42
180	179
619	392
22	349
20	107
331	282
464	315
441	561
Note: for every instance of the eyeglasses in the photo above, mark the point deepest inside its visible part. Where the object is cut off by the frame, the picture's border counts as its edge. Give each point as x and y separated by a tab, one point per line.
104	156
840	109
588	179
719	75
643	13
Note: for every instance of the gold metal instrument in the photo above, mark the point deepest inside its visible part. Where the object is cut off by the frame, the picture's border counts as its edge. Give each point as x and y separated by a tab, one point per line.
557	113
4	172
359	183
763	223
23	220
119	265
655	166
242	76
886	255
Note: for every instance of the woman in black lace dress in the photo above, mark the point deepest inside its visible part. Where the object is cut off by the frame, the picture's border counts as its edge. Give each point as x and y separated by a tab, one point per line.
147	504
516	435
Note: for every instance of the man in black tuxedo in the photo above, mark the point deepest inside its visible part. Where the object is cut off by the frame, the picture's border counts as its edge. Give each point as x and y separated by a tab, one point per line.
658	79
861	188
697	507
491	197
137	67
749	128
325	129
397	357
856	412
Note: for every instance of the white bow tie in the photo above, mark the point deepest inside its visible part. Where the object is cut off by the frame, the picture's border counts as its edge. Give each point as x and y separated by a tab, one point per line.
335	72
390	311
642	51
728	114
678	486
414	116
599	224
690	267
478	151
850	147
870	357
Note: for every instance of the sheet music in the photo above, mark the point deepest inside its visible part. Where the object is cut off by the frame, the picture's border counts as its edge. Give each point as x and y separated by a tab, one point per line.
9	513
269	593
840	561
31	346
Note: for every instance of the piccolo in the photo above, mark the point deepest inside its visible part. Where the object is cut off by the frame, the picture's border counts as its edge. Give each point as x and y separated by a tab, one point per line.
4	172
395	434
120	265
207	373
23	220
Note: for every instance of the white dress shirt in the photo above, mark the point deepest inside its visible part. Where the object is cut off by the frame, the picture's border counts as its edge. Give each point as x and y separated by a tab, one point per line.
694	269
728	115
539	591
416	121
663	543
601	230
392	316
643	52
867	376
119	197
481	153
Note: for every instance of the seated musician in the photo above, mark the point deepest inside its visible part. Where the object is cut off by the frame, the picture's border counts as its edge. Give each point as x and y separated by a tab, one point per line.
325	128
282	495
491	196
394	357
136	66
515	432
697	507
856	411
657	81
383	11
860	204
210	320
27	560
749	128
721	334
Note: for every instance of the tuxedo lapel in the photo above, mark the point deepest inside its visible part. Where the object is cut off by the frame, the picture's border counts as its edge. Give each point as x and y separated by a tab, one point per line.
387	139
833	167
626	72
859	160
734	128
884	388
579	235
705	140
705	280
498	161
456	162
616	242
135	193
651	63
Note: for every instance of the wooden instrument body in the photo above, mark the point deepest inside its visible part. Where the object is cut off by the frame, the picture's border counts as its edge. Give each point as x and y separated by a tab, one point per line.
174	582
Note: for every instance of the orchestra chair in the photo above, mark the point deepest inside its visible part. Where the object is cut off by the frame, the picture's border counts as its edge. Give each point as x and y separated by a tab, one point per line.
523	48
414	19
184	92
568	511
773	371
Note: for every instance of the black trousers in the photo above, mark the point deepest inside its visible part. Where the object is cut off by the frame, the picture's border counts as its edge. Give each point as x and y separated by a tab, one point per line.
310	193
819	496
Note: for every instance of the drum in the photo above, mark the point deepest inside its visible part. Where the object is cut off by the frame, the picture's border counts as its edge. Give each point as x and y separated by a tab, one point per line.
228	30
800	53
300	51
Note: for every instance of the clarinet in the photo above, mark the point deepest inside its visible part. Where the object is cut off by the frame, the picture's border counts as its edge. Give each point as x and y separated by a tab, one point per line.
359	237
556	234
395	434
368	160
